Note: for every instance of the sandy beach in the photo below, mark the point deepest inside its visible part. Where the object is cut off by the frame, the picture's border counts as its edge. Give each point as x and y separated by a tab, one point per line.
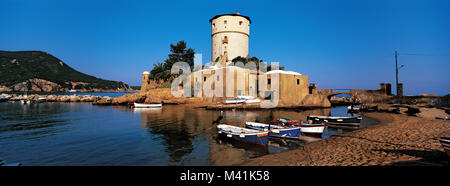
397	139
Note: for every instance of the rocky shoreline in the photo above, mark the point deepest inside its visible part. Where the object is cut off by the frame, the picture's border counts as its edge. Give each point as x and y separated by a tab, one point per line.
398	139
55	98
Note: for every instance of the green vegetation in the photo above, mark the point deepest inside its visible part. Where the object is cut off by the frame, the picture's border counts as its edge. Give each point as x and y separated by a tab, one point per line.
135	87
257	61
17	67
179	53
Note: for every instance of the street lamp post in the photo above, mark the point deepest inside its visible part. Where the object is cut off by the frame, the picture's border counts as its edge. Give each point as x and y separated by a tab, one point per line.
396	73
399	89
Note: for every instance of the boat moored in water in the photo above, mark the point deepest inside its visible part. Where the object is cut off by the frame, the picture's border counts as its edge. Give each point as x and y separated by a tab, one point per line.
146	105
275	130
234	101
336	120
312	129
242	99
284	121
41	100
352	108
4	99
243	134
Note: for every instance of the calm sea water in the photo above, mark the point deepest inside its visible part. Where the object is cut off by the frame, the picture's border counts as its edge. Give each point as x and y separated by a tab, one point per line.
84	134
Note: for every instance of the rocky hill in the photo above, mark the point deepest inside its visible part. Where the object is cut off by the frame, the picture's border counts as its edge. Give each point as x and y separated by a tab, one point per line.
41	72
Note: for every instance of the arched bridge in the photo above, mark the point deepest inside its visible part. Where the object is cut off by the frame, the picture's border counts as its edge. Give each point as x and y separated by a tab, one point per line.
337	93
332	92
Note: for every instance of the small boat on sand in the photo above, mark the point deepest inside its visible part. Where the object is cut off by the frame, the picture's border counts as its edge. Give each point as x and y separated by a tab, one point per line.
243	134
275	130
336	120
312	129
284	121
445	142
147	105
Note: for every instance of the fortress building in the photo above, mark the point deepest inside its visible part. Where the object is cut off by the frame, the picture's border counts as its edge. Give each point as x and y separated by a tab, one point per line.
223	80
230	39
229	35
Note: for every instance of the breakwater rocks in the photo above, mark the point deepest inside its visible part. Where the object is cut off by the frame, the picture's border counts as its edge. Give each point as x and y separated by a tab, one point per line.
55	98
161	95
338	101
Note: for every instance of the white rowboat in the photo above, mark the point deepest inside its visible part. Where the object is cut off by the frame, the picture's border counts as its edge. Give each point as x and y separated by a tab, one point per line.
144	105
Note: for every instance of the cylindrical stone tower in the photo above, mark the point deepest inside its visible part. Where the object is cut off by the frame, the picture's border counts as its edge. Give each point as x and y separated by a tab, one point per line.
229	35
145	81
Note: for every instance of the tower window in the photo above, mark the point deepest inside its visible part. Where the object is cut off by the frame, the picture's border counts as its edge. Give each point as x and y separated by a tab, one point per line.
268	81
204	78
225	22
240	23
225	40
214	25
298	81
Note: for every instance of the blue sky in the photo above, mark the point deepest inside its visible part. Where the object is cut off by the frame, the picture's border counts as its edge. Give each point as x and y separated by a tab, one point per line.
338	44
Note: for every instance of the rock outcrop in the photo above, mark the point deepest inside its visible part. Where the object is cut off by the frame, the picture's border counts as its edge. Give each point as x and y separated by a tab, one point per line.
160	95
315	100
37	85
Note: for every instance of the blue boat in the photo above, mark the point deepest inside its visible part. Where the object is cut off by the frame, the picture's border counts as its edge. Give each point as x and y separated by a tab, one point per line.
243	134
275	130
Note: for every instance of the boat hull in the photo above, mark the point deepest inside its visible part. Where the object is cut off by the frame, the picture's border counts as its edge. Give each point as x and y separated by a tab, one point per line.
253	136
262	140
288	132
338	121
295	123
233	101
314	129
140	105
355	109
445	142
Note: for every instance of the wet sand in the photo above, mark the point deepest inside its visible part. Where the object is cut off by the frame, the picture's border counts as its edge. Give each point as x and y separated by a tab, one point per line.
397	139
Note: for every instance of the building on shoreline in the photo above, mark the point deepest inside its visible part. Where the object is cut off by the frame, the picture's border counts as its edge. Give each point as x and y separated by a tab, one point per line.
222	79
230	37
